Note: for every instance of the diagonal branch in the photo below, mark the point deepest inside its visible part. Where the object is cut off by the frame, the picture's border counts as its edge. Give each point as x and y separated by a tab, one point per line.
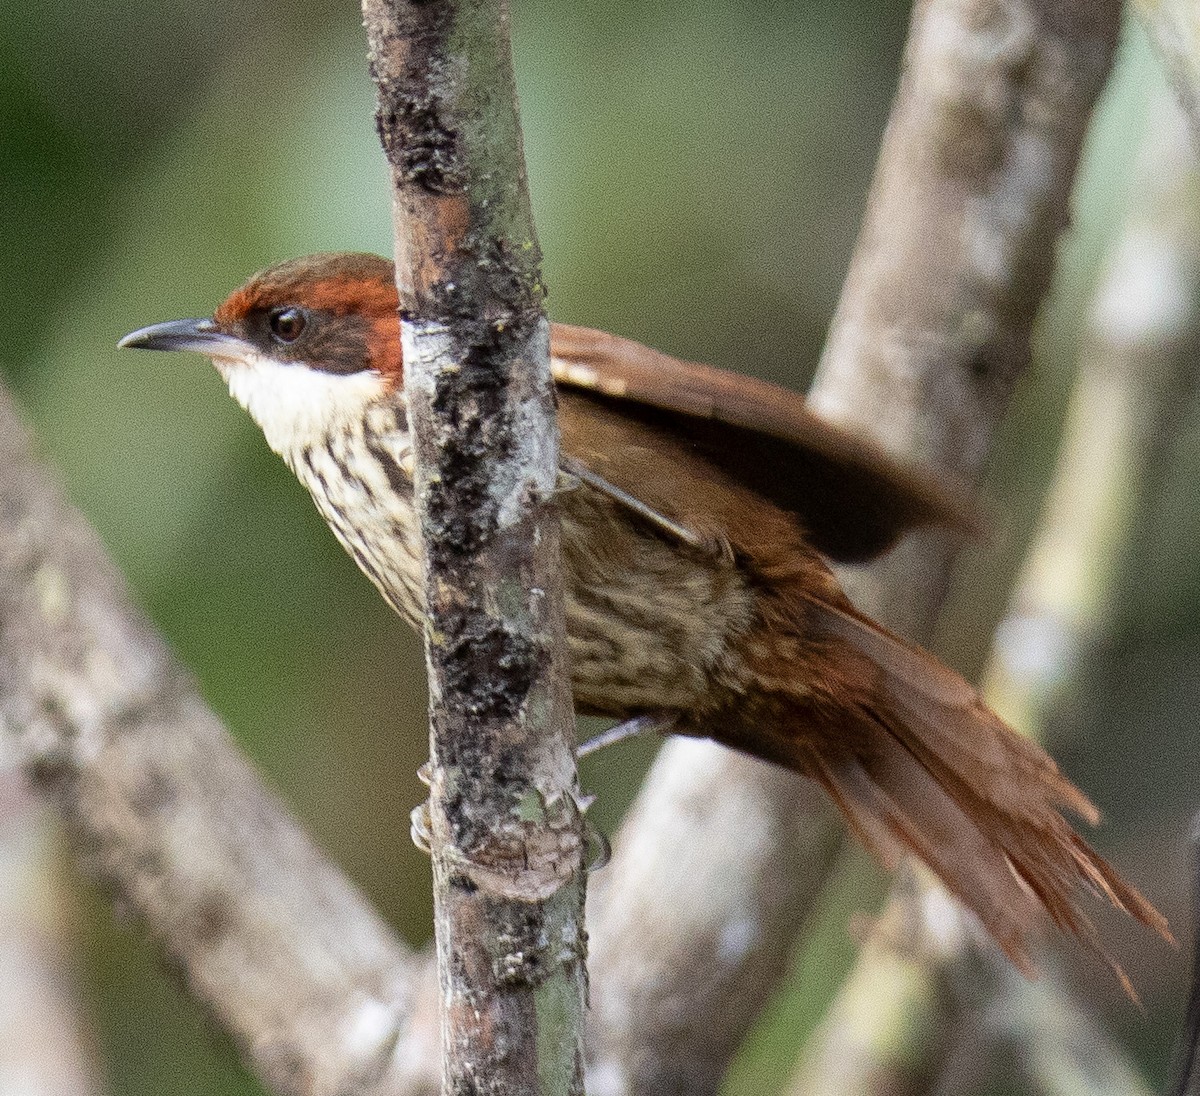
290	959
958	244
1138	358
932	331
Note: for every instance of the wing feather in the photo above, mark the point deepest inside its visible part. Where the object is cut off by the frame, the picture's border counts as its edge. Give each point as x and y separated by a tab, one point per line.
852	498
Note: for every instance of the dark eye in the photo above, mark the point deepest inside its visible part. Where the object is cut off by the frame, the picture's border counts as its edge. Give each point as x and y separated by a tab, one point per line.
287	324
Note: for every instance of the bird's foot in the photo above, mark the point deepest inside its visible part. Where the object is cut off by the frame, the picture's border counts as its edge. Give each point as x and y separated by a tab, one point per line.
420	827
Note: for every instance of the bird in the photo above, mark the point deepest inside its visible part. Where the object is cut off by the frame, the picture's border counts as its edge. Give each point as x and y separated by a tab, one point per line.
701	512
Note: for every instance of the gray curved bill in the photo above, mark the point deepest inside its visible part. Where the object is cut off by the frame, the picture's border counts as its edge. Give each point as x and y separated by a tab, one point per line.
202	336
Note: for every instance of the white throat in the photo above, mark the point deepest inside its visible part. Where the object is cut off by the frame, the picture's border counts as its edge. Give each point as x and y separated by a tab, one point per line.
295	406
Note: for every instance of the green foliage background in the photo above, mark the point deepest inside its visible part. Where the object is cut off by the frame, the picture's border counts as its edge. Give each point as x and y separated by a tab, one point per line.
698	172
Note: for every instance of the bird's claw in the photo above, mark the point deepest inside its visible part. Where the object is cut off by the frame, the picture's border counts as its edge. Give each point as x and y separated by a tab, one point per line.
597	849
421	827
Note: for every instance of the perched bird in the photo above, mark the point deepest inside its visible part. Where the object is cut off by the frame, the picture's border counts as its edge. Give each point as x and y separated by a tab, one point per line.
696	543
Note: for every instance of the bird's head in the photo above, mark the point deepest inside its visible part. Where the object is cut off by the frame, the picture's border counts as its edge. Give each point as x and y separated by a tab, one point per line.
304	346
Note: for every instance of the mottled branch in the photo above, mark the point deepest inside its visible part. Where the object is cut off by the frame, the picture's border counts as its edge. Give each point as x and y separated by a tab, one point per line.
1136	368
288	957
931	333
504	826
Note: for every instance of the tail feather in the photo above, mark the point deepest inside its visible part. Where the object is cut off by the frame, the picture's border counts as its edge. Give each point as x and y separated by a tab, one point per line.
892	800
913	757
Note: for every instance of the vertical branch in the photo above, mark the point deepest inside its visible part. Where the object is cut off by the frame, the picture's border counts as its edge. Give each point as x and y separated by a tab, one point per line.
505	831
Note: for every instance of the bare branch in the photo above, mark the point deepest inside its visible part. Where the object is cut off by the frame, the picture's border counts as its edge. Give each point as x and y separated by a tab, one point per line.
506	831
292	961
958	245
1137	366
693	922
1174	28
45	1045
932	331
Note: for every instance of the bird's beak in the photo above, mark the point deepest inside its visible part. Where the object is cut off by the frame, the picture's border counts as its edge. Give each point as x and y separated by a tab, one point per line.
203	336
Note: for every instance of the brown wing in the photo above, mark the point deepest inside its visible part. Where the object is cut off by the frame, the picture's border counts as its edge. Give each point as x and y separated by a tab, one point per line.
852	498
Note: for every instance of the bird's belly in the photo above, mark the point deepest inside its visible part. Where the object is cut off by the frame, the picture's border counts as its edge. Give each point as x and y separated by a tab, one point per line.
364	492
648	624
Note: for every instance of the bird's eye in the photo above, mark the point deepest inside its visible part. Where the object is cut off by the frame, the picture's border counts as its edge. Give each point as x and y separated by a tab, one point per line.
287	324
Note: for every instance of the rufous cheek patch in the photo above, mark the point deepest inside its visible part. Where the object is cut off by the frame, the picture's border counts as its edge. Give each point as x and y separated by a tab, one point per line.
383	349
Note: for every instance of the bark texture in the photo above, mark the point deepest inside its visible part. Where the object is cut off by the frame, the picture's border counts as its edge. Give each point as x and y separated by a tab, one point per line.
932	330
45	1043
290	959
505	828
1137	371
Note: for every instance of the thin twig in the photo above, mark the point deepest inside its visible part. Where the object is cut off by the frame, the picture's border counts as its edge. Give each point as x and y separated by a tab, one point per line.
505	827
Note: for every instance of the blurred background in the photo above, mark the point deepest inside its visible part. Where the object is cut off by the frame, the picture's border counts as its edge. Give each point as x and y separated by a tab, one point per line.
698	173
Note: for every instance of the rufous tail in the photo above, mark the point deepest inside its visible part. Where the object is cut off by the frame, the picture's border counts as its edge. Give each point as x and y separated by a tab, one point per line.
914	758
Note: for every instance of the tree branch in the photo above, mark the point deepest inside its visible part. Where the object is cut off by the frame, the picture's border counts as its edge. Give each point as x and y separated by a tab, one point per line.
45	1045
506	831
958	245
1138	358
692	923
932	331
289	958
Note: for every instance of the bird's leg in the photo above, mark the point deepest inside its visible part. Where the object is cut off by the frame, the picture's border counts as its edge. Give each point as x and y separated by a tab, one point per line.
599	849
636	727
